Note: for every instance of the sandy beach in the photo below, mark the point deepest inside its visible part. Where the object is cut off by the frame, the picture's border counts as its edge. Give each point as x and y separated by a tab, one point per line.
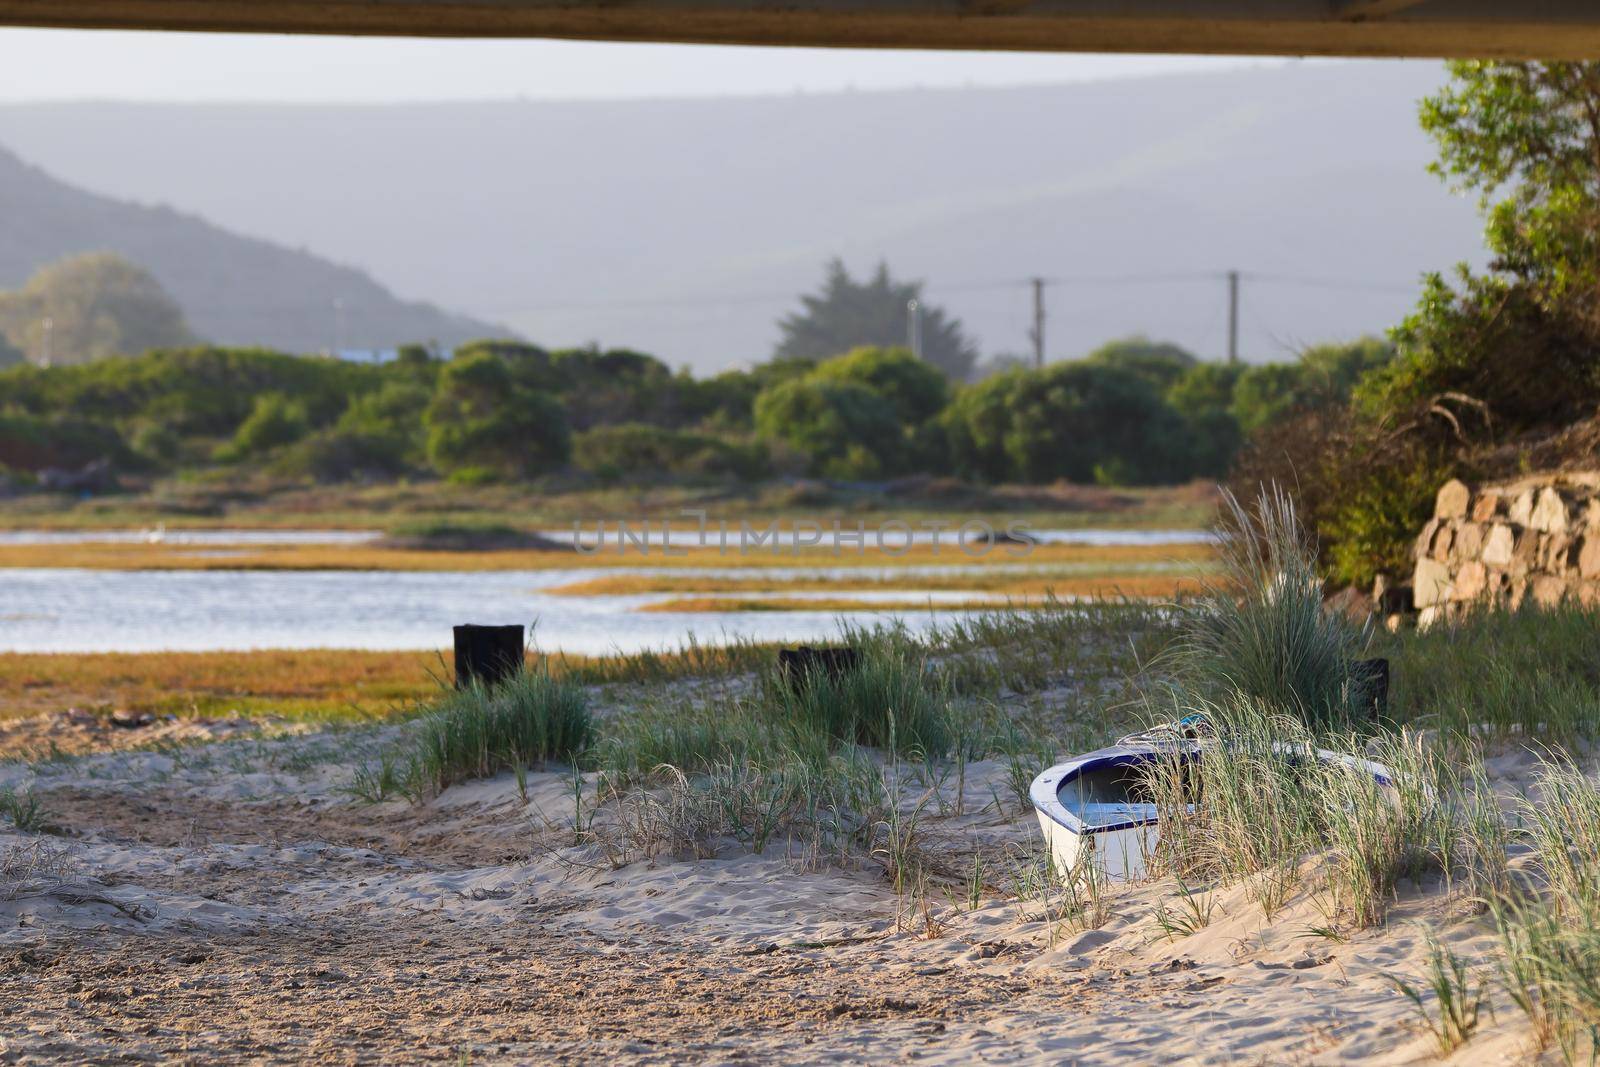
232	902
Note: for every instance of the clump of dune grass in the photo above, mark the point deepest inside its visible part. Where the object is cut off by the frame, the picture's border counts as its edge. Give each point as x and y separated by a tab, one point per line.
1564	830
478	731
24	810
1458	995
1255	805
1262	632
1377	832
1550	968
1242	811
894	699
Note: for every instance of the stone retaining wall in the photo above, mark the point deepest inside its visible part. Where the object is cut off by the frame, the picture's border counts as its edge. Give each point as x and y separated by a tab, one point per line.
1538	537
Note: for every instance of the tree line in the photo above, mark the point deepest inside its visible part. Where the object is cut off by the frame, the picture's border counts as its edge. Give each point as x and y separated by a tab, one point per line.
1134	412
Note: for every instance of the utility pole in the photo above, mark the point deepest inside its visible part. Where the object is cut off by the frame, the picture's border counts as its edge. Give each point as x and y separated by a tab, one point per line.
914	327
1233	316
1036	335
49	328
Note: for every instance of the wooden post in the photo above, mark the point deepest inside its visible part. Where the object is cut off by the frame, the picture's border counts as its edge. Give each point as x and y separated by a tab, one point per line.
799	665
488	655
1371	680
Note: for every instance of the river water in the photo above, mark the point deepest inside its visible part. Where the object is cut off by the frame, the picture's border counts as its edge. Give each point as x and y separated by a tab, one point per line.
71	610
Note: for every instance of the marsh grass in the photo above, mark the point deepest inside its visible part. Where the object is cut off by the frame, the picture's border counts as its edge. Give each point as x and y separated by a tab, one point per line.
1531	676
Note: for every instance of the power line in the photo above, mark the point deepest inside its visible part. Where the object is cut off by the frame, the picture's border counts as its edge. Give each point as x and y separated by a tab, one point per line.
1040	282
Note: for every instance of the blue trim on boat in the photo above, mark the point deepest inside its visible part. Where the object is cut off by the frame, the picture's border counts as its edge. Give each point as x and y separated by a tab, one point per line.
1045	793
1046	790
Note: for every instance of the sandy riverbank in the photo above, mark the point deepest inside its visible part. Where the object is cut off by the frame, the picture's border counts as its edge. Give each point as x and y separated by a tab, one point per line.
232	902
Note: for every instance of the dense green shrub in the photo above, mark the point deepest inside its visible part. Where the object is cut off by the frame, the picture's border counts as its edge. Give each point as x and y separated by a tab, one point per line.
481	419
339	454
1160	363
843	430
275	421
1077	421
194	392
638	451
916	389
31	443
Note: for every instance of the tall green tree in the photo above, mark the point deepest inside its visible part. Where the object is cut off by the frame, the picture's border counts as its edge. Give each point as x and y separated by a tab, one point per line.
847	313
1511	348
89	307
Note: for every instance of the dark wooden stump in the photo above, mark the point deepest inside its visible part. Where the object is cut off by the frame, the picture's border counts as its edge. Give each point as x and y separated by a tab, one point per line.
799	665
1370	678
488	655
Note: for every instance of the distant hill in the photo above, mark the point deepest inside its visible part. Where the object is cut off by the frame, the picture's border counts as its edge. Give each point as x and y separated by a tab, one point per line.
688	227
233	290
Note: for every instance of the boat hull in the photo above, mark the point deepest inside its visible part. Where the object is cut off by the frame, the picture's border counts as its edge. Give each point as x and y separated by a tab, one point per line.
1099	838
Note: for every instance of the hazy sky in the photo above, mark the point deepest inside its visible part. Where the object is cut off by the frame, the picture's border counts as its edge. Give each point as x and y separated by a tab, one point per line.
78	64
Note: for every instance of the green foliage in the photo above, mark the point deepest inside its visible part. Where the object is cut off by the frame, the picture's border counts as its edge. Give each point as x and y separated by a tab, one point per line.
1323	378
847	314
1160	363
841	429
1203	398
1078	421
89	307
341	454
33	443
195	392
10	354
1262	635
480	731
915	388
275	421
638	451
482	419
895	700
1511	350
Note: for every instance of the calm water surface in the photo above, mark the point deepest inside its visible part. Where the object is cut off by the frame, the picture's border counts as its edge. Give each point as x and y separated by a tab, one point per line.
51	610
70	610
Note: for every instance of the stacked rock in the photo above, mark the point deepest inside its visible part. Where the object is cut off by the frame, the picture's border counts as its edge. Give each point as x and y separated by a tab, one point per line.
1500	545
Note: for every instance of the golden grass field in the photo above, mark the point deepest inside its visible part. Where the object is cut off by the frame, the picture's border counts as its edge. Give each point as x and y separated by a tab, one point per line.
313	685
168	556
325	683
259	502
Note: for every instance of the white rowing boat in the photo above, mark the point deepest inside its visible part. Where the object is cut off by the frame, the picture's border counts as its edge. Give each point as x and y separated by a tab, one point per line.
1093	810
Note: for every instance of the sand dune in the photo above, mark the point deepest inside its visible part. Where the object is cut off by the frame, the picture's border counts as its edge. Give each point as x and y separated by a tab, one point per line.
232	902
